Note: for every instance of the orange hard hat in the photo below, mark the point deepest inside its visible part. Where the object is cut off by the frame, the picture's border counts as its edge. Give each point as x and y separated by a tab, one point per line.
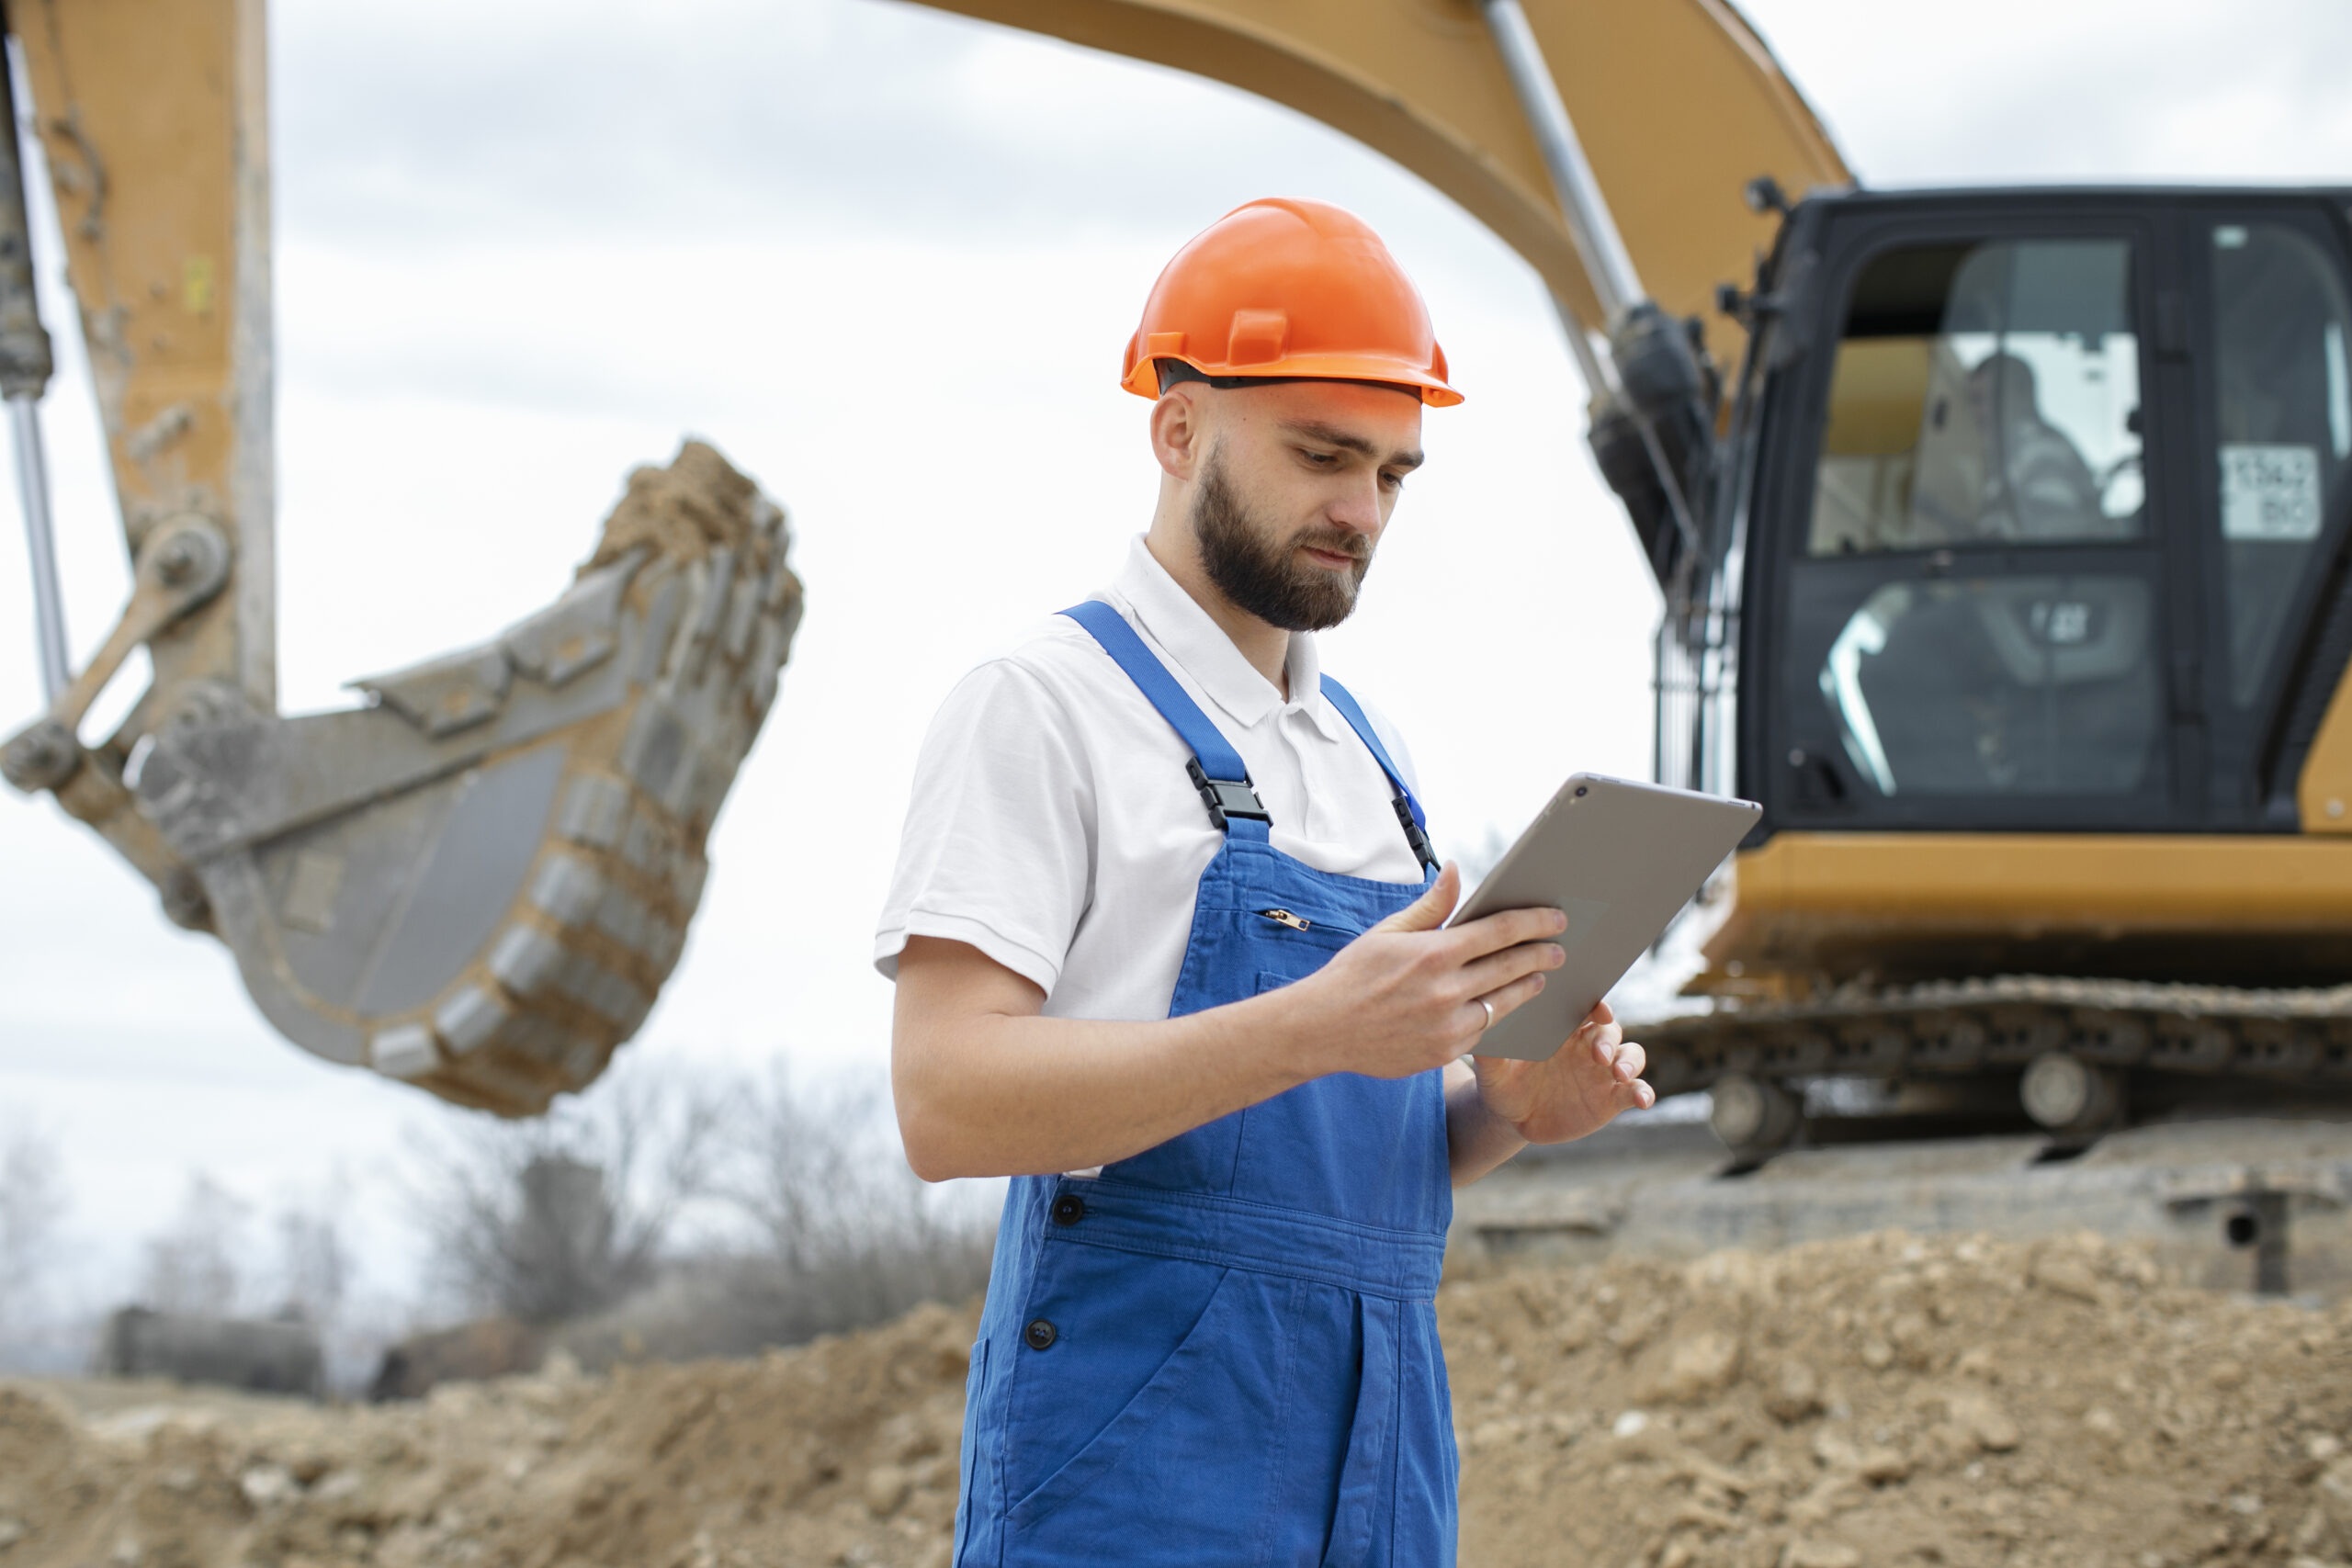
1287	288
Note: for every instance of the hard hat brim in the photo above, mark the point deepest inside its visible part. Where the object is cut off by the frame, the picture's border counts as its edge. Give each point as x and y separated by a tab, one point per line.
1143	381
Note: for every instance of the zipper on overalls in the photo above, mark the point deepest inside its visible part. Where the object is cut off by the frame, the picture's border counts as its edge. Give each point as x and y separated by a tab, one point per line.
1301	923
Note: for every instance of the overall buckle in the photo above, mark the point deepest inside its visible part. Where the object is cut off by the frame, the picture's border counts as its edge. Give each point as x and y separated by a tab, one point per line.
1413	834
1227	797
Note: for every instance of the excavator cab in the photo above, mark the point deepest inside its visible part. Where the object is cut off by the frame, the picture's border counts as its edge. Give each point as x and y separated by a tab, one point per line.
2033	654
2039	513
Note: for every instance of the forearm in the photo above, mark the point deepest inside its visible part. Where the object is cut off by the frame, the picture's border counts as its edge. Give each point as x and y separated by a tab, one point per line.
1477	1140
987	1086
1009	1095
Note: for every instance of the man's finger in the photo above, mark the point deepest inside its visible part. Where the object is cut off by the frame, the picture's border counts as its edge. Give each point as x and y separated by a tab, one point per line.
1500	969
1631	1062
1508	929
1509	999
1429	911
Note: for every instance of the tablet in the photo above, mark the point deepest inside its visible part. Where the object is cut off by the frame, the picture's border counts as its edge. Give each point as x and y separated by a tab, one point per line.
1619	859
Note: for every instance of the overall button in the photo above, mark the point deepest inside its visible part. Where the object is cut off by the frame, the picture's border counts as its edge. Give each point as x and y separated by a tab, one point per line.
1040	1335
1068	1209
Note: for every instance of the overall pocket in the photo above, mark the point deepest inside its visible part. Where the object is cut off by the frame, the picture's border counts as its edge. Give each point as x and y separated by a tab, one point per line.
1148	1422
1291	946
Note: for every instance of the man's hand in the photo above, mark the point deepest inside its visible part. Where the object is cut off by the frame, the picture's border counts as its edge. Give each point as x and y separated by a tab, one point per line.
1404	997
1580	1089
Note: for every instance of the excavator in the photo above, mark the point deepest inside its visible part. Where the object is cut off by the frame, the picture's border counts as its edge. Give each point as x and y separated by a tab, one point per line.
2001	537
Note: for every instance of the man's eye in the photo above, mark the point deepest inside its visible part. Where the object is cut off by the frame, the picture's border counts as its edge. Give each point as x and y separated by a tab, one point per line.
1320	459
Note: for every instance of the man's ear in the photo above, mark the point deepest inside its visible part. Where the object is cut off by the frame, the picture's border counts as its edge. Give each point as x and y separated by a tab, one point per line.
1180	431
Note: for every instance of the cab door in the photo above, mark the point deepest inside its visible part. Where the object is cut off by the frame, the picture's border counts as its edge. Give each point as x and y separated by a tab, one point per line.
1960	615
2270	458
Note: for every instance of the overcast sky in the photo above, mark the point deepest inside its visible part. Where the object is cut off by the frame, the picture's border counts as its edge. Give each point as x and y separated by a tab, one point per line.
886	259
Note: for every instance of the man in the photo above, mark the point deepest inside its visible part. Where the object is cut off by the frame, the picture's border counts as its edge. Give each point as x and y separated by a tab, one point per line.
2037	486
1166	934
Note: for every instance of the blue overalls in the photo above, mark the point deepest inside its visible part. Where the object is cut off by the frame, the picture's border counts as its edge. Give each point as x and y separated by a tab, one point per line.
1225	1351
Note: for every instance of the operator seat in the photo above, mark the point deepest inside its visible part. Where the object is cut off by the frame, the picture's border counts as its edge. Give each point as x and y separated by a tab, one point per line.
2037	487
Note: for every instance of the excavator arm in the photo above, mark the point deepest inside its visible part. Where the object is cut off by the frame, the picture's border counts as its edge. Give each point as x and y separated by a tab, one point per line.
1678	105
152	118
478	882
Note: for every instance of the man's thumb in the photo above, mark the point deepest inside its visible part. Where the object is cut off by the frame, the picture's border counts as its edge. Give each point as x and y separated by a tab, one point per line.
1429	911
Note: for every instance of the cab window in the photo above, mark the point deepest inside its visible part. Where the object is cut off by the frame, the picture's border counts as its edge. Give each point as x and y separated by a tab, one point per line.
1972	614
1983	393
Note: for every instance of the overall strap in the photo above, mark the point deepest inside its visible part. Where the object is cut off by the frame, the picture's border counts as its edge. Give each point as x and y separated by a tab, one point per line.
1409	810
1216	769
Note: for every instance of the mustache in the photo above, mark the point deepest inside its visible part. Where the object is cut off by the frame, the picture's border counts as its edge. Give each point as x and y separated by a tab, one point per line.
1335	541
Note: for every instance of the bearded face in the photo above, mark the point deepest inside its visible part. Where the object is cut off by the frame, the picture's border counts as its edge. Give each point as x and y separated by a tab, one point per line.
1257	563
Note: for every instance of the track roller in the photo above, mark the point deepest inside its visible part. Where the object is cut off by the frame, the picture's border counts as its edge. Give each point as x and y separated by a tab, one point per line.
2071	1097
1756	1118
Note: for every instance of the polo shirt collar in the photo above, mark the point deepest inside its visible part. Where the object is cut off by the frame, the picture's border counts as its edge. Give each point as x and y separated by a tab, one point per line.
1195	641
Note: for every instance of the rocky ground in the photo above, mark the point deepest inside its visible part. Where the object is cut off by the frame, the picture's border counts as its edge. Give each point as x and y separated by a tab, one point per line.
1881	1400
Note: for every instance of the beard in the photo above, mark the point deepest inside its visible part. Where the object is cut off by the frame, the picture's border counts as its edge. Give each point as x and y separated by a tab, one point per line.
1261	573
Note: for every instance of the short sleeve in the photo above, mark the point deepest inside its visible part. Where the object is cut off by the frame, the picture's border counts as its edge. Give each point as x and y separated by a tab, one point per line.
998	848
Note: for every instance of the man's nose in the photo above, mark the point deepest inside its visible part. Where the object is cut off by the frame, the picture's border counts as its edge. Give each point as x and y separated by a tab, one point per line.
1358	507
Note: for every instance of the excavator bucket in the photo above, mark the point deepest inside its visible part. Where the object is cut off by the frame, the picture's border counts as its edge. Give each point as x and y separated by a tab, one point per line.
478	883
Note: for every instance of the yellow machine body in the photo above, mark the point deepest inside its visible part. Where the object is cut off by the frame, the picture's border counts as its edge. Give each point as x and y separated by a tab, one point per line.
1915	906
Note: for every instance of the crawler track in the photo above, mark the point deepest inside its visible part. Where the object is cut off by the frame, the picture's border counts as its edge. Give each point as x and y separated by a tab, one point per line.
1953	1029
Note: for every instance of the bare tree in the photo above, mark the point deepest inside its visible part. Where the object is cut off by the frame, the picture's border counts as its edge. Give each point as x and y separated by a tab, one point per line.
32	1205
697	1217
314	1266
850	1235
564	1216
196	1263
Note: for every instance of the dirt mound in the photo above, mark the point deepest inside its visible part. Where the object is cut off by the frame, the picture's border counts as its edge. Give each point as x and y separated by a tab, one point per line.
841	1452
1886	1400
1875	1401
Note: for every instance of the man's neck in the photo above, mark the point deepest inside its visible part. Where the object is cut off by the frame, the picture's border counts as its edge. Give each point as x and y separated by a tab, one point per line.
1267	647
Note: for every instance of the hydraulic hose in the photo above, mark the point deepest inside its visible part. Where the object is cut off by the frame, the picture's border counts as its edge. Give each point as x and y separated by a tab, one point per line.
25	367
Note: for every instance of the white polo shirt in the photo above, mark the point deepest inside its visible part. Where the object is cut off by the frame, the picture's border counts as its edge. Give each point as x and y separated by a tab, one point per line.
1053	826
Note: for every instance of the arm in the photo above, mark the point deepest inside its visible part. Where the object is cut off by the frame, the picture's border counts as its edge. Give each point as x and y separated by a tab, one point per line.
985	1085
1477	1140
